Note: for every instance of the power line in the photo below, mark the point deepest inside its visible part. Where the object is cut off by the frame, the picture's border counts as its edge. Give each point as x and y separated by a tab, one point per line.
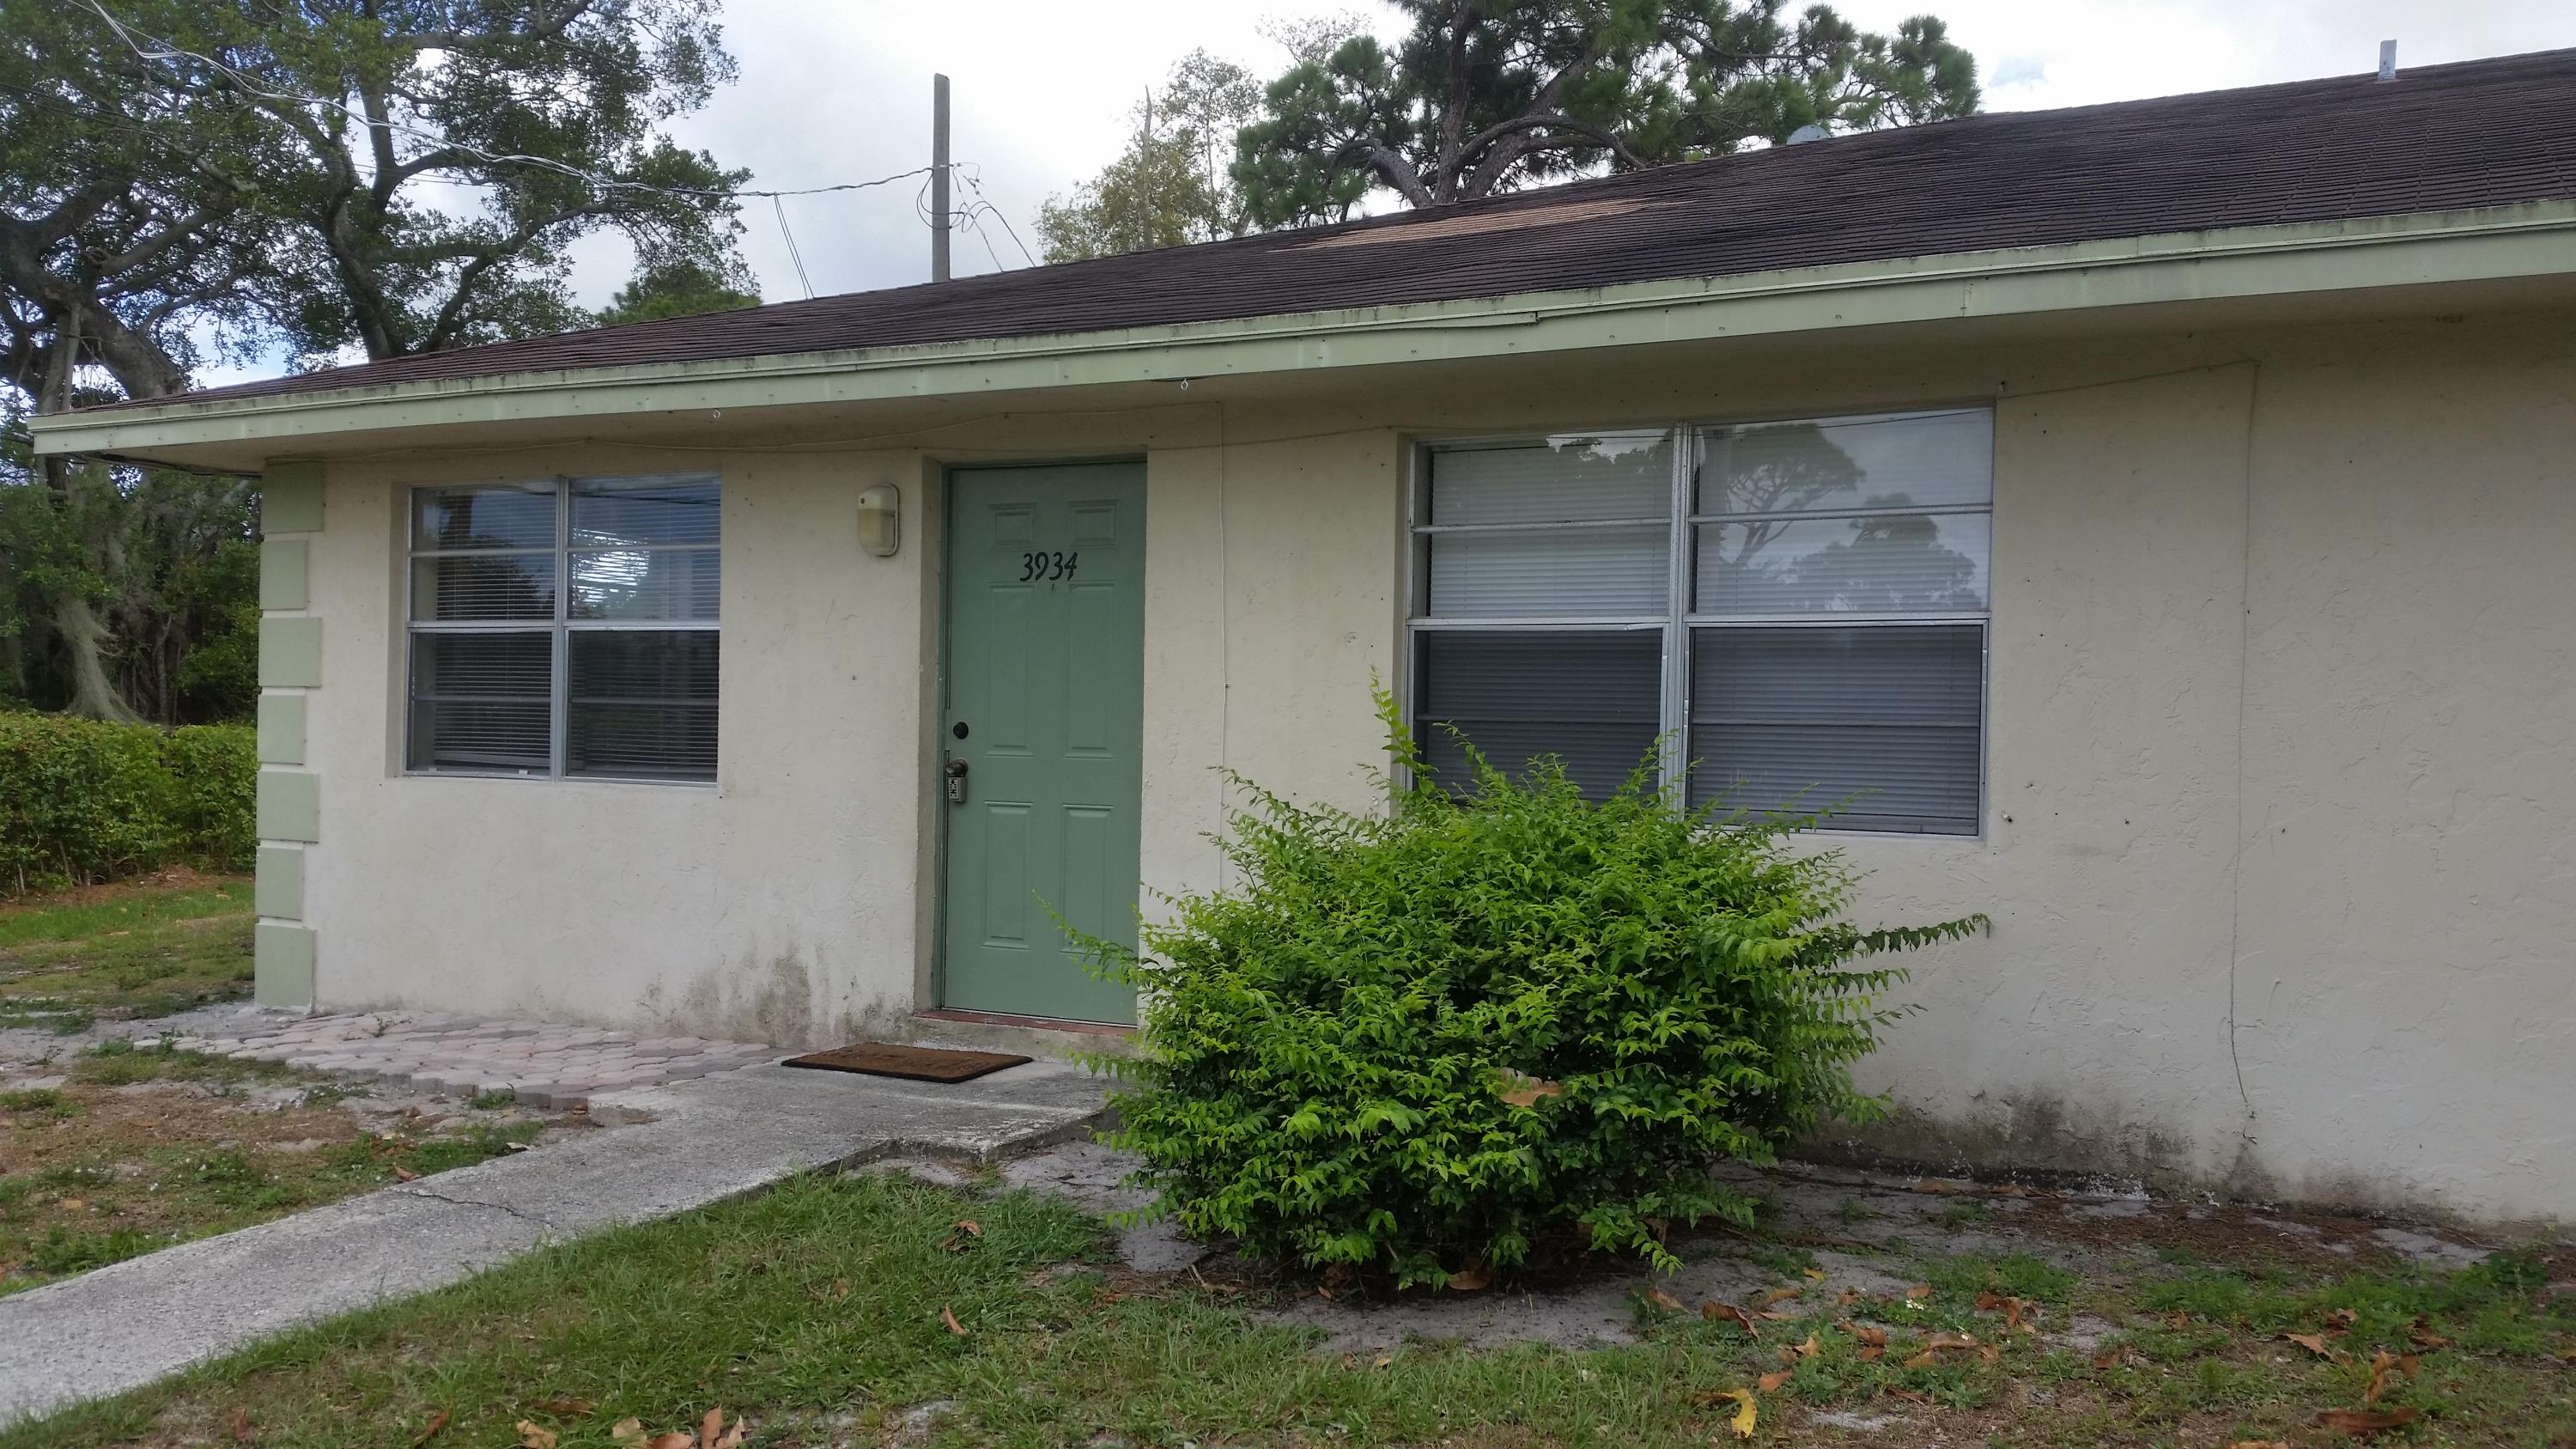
792	253
168	51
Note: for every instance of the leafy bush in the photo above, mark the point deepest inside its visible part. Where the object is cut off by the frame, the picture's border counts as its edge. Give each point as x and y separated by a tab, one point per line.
1435	1040
82	801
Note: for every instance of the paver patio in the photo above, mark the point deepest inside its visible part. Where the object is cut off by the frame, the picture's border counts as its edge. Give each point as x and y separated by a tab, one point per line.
545	1065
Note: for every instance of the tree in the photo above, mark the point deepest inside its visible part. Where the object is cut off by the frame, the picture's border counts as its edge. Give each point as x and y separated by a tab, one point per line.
1488	96
1170	187
383	177
680	289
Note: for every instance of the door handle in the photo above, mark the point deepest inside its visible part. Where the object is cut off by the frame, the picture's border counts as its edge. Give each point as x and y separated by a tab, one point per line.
956	772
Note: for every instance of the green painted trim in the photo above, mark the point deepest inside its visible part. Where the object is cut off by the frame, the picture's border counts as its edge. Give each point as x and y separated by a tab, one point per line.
290	653
2529	240
282	965
290	805
290	498
279	888
281	729
284	575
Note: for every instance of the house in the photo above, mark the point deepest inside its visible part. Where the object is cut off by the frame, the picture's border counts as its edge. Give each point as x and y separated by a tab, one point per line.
2156	521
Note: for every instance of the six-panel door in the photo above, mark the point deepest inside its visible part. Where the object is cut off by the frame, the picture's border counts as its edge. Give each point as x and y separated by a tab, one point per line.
1045	708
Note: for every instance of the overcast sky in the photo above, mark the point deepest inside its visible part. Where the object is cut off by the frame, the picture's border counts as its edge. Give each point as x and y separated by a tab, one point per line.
838	91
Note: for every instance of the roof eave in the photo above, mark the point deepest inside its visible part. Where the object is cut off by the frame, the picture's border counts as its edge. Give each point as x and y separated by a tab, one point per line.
2530	239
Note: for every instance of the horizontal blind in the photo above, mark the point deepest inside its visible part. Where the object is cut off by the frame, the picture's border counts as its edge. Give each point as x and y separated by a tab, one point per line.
1588	698
1568	527
1882	564
1878	723
569	628
1889	461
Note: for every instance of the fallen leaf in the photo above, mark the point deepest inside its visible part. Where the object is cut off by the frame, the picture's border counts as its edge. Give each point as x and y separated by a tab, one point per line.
71	1204
1873	1353
2313	1344
2111	1357
569	1408
1989	1302
1774	1315
1911	1396
404	1174
2365	1421
1770	1383
948	1316
2258	1444
241	1425
1663	1300
967	1230
1472	1278
712	1425
2009	1189
670	1441
2380	1363
626	1429
532	1437
1940	1341
838	1290
1928	1185
1382	1361
1818	1274
2423	1337
1741	1421
430	1430
2181	1319
2342	1320
1809	1349
1865	1333
1716	1312
1925	1359
1778	1295
1919	1293
730	1439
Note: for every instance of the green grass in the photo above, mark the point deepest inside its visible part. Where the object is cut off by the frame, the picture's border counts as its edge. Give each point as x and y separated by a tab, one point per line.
817	1309
124	953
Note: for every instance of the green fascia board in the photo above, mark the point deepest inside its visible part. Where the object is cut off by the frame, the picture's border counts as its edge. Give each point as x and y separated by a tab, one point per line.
282	965
290	805
2525	240
290	499
290	653
284	575
281	729
278	890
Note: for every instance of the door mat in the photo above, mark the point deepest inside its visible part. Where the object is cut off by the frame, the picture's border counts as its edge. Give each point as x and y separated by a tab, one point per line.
919	1064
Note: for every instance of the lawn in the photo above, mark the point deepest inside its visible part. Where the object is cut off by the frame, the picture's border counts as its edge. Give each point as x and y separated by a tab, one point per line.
823	1314
120	952
111	1147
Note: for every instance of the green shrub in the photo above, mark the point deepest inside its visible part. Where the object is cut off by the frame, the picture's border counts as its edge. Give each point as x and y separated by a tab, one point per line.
1474	1027
82	801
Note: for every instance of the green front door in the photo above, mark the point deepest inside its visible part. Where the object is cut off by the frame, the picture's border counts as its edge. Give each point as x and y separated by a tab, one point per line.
1044	725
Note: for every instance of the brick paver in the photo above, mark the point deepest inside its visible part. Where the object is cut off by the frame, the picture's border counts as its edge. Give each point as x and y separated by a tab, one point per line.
547	1065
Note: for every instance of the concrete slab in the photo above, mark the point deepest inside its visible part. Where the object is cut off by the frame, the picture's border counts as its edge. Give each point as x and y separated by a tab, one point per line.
694	1143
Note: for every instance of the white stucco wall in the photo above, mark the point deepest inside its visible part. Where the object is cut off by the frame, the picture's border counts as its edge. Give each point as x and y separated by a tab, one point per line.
2281	753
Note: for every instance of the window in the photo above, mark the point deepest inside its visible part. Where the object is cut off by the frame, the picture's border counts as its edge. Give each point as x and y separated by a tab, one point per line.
566	628
1802	604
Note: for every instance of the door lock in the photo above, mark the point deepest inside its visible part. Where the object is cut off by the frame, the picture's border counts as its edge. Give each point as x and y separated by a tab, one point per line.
956	772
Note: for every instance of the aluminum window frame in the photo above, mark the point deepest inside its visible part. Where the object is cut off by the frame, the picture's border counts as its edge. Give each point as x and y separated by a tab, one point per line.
559	629
1687	438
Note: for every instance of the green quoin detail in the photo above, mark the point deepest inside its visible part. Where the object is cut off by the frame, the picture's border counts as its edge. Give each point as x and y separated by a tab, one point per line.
280	889
290	805
290	499
290	653
281	729
282	574
1046	672
282	965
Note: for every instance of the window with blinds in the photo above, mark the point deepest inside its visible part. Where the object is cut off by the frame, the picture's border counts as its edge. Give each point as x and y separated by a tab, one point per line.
566	629
1800	607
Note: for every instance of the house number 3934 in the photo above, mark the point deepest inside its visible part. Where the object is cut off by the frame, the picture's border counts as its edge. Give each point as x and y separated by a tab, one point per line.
1044	565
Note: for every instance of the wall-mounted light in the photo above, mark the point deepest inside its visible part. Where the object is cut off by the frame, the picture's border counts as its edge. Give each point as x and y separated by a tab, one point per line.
881	519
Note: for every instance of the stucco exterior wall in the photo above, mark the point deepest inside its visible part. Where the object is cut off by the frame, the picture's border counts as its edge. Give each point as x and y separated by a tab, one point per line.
2281	744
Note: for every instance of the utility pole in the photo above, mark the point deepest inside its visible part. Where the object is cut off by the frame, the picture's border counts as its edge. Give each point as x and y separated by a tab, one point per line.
939	178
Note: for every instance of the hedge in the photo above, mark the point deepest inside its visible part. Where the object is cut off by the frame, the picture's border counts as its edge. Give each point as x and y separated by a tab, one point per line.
82	802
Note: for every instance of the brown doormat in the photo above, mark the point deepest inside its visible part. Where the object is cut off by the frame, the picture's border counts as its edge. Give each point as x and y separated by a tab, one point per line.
920	1064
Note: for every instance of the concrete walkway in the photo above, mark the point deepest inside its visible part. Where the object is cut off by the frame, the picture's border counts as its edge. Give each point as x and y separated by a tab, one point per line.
709	1139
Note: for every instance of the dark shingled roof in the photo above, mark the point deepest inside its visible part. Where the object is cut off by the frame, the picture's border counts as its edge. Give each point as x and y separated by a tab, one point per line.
2439	138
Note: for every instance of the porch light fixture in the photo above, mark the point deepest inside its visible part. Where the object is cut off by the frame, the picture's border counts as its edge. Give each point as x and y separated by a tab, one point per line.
881	519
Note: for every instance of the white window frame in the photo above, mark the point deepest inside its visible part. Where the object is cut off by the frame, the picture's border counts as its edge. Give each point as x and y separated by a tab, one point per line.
559	629
1676	622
